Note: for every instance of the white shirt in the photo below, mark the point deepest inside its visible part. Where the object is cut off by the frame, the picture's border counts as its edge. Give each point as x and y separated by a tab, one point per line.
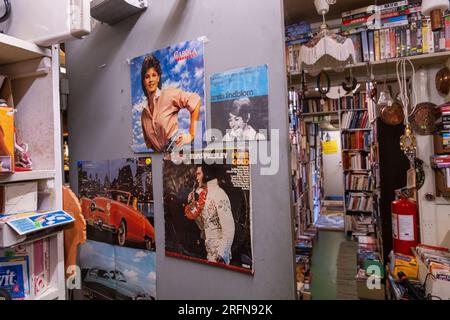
243	135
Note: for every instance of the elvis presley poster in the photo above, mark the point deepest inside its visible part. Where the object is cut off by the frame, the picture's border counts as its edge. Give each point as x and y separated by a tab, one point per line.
207	208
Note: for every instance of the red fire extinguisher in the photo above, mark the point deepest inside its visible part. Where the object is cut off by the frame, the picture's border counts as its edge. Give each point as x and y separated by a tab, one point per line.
404	225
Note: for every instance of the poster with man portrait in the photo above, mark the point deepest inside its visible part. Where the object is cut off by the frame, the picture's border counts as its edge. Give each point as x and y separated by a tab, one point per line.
168	98
118	260
240	105
207	208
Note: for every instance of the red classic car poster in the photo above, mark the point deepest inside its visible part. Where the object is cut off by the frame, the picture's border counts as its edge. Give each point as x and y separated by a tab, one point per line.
118	261
207	208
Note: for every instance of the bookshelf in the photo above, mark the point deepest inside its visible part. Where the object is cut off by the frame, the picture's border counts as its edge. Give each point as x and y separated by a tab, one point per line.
34	72
303	163
356	139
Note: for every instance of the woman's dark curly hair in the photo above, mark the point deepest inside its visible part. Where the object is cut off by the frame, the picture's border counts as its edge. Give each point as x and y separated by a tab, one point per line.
150	62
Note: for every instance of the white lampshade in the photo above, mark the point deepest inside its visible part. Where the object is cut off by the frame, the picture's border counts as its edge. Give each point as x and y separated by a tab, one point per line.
431	5
322	6
326	51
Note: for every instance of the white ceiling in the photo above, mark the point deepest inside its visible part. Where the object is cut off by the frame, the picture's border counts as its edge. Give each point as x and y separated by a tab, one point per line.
304	10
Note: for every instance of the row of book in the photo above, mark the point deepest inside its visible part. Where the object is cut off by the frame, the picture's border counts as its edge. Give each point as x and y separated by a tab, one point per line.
376	17
359	182
355	120
359	140
356	101
314	105
355	161
359	202
376	45
25	270
394	30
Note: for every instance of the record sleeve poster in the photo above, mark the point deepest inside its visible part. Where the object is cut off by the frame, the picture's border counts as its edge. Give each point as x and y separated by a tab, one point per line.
168	98
118	260
240	104
207	208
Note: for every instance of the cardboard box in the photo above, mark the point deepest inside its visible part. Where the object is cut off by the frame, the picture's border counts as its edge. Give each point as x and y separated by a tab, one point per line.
435	287
365	291
18	197
6	140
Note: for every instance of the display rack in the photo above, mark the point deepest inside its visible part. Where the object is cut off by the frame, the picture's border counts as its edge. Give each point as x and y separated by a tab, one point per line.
35	86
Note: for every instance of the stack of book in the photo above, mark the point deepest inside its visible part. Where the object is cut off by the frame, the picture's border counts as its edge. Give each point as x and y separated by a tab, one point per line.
443	123
360	225
360	19
437	261
355	120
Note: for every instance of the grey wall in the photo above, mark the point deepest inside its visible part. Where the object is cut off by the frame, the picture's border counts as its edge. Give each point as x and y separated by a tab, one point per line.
241	33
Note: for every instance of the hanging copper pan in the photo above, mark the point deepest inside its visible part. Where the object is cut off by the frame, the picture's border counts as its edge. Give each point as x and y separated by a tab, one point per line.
423	119
442	81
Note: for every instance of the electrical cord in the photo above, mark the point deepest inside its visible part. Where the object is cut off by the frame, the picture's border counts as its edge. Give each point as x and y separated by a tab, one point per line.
7	11
429	296
403	85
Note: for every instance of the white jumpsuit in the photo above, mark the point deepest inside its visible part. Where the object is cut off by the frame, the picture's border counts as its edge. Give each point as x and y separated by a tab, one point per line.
218	223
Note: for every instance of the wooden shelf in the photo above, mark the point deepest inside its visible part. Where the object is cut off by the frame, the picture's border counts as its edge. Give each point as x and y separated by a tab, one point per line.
348	110
358	191
355	150
319	113
356	129
27	176
381	65
359	211
15	50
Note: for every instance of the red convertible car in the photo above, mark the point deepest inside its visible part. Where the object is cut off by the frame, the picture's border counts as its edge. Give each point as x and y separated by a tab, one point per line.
114	212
